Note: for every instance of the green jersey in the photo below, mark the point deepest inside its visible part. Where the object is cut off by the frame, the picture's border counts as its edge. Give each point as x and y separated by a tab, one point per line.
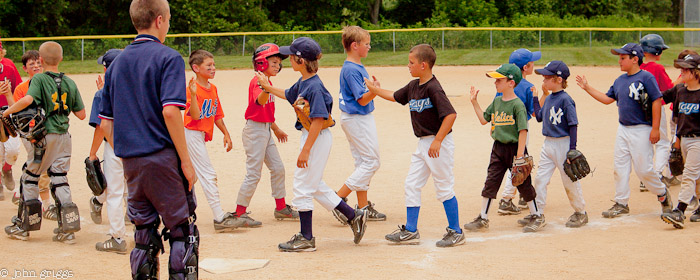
44	91
507	119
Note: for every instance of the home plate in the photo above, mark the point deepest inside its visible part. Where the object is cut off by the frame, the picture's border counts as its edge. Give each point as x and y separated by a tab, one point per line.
218	266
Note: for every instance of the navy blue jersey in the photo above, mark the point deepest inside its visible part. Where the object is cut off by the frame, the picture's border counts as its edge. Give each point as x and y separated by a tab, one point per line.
140	82
352	88
558	114
524	91
626	90
313	90
94	120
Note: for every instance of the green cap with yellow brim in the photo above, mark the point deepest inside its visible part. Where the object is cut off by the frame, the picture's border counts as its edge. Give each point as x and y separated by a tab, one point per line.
509	71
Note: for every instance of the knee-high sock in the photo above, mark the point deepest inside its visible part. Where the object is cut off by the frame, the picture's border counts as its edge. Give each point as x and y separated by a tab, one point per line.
305	219
346	210
452	212
412	218
486	203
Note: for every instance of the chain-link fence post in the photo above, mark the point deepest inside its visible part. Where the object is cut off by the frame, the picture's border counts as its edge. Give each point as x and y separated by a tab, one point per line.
540	39
82	49
590	39
243	52
393	39
490	40
23	50
189	44
443	39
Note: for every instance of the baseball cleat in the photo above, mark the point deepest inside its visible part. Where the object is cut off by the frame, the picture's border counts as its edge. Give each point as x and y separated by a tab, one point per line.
51	212
403	236
298	243
7	180
577	220
228	223
111	245
248	222
451	238
522	203
479	223
666	203
507	207
63	237
358	225
373	214
535	224
95	210
526	220
14	231
696	216
287	213
15	198
616	210
339	215
674	218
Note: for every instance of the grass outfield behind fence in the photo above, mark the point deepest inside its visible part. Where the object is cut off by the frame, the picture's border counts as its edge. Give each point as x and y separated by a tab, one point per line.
455	46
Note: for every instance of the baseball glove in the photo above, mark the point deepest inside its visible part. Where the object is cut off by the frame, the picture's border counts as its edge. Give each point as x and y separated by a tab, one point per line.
95	177
301	107
576	165
7	130
645	102
675	162
521	169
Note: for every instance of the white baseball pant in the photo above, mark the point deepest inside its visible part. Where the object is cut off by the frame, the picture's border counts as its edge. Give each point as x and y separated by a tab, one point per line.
690	147
260	148
662	149
308	182
553	156
632	147
204	170
509	190
361	132
113	197
9	150
422	166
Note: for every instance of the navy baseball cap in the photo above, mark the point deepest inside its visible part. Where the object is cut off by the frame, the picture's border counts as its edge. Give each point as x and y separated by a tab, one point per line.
303	47
630	48
108	57
554	68
521	57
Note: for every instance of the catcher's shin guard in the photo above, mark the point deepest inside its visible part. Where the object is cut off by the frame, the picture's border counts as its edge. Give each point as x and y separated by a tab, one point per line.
144	257
184	251
31	214
68	215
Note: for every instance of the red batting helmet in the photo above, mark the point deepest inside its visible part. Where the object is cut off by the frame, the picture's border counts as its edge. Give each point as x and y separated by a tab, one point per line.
262	53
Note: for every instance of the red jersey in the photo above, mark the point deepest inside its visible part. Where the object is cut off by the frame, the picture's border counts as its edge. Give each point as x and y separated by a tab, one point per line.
210	110
8	72
255	111
659	73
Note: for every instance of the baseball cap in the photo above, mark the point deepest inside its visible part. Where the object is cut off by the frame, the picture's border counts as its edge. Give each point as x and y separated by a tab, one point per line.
629	48
510	71
554	68
521	57
108	57
691	61
303	47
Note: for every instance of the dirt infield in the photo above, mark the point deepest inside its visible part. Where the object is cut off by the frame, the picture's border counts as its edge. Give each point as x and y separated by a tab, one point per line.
633	247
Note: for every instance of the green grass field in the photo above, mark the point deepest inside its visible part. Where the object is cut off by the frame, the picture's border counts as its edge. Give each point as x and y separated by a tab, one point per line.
583	56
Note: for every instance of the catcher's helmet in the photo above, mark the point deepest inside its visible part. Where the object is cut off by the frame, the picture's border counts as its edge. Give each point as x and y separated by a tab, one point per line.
653	44
262	53
30	123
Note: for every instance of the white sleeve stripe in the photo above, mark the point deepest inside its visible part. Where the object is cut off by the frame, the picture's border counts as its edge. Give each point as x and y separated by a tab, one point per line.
104	117
174	103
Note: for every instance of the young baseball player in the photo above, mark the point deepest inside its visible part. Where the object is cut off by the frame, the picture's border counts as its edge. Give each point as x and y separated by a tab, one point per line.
9	150
202	112
653	46
58	96
560	127
432	117
114	194
316	140
636	134
141	119
32	66
258	142
686	97
525	60
508	117
356	106
8	72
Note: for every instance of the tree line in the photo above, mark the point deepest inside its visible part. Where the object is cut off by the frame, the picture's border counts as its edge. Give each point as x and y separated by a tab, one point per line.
32	18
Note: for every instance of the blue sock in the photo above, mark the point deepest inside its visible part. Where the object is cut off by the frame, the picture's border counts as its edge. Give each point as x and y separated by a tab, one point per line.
305	217
412	218
346	210
452	212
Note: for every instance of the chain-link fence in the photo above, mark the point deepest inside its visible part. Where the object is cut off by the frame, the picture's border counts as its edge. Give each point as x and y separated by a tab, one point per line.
398	40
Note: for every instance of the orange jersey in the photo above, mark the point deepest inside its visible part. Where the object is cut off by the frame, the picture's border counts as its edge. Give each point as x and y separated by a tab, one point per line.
21	90
210	110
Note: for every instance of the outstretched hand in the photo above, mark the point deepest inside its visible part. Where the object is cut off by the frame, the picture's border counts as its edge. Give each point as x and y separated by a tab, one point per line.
193	86
375	82
473	93
100	83
263	81
582	82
